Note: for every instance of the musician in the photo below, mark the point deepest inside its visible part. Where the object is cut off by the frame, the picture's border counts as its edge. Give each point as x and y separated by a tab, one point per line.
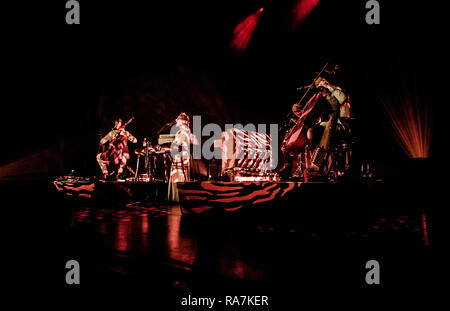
337	108
341	127
319	119
117	148
294	143
180	151
331	126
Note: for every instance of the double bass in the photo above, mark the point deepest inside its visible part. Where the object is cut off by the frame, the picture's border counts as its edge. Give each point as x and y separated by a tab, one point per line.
295	140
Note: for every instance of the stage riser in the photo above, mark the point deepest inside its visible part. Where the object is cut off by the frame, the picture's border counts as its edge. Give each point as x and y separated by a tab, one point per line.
300	198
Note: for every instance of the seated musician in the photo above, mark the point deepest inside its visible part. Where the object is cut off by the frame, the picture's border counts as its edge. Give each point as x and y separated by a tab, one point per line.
116	150
338	108
319	119
332	122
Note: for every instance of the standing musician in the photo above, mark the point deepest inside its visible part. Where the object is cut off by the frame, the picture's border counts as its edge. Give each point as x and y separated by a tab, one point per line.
117	149
180	150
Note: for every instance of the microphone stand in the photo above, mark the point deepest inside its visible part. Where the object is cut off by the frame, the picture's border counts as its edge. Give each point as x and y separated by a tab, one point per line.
165	127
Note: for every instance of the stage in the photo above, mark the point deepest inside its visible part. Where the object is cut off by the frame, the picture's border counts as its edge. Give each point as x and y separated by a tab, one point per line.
215	197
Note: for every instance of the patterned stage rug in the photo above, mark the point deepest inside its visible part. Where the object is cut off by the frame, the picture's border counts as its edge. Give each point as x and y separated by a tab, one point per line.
208	197
110	191
197	197
75	187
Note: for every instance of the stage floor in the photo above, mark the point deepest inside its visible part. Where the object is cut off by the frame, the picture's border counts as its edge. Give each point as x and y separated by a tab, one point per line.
158	249
318	238
269	246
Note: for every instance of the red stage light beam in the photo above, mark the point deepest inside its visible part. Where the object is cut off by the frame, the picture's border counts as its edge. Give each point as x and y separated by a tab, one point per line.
243	31
302	9
411	121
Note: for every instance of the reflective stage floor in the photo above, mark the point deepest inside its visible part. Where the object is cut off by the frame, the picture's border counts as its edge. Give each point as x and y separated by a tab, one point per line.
156	247
276	250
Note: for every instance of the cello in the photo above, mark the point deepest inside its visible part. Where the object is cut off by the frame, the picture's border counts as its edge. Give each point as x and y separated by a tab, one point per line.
116	147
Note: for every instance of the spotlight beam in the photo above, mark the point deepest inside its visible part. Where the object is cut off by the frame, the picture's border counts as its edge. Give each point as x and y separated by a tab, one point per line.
411	123
244	30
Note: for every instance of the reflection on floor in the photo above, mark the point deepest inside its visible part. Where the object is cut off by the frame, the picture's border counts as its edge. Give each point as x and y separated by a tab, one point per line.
133	244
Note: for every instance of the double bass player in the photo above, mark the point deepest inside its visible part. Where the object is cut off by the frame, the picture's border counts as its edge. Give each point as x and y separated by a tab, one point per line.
318	120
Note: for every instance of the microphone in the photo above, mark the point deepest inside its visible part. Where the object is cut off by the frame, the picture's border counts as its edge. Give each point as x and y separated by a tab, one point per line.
166	126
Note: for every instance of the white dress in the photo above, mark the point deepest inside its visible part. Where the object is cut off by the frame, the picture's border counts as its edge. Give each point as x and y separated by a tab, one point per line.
180	169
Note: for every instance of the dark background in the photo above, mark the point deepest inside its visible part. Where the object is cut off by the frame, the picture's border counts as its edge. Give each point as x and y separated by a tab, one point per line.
152	60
